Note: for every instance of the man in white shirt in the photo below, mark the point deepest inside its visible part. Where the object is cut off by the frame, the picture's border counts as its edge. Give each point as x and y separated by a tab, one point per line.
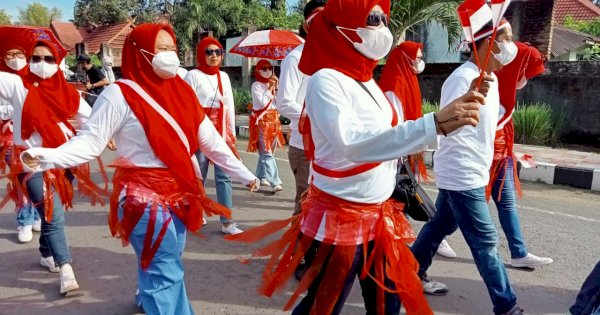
461	168
291	94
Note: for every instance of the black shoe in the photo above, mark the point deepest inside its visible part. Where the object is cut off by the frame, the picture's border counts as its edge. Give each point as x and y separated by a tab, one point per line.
516	310
300	270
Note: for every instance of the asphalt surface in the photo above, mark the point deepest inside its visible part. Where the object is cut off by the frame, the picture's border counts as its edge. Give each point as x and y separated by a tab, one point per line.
559	222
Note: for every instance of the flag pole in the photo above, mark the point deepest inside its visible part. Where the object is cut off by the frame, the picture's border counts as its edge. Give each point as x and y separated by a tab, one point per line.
489	52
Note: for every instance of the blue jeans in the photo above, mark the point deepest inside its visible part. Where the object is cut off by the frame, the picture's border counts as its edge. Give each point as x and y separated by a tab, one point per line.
507	210
468	210
53	240
27	215
222	182
588	299
267	165
368	287
161	286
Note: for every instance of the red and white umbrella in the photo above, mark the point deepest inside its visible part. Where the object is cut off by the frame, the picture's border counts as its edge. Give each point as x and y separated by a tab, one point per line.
268	44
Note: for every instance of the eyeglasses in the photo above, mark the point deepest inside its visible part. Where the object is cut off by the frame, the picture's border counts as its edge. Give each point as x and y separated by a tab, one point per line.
376	18
48	59
210	52
15	55
266	69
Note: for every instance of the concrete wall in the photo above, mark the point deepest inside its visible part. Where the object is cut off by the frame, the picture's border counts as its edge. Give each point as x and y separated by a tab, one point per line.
571	87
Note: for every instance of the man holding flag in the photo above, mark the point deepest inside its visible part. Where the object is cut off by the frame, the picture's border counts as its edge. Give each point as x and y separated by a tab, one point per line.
464	158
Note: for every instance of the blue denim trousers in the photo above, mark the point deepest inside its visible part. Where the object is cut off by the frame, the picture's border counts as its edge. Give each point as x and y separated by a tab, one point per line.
588	299
468	210
27	215
267	165
161	286
53	239
222	183
506	203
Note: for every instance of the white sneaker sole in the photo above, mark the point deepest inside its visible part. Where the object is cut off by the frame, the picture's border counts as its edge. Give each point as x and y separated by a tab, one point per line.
530	265
69	288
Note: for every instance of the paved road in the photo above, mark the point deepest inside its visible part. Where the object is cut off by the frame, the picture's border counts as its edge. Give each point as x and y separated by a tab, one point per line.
560	222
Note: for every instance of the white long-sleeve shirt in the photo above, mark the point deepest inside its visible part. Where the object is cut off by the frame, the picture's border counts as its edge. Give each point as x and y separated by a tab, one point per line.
395	101
13	90
291	94
206	88
349	129
464	158
113	118
6	109
261	96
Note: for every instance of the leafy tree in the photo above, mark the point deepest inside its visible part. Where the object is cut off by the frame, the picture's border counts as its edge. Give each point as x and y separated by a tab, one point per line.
37	14
100	12
408	13
588	27
4	17
592	53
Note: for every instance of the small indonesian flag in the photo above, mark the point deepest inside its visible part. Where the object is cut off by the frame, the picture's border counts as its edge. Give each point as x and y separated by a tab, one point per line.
474	15
498	9
526	160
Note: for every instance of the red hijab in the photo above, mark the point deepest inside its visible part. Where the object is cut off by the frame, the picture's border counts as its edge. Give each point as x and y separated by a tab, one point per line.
326	47
528	63
10	38
48	103
259	65
201	57
174	95
399	78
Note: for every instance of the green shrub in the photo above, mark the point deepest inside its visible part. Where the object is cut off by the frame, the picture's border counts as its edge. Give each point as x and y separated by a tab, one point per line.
241	99
429	107
537	124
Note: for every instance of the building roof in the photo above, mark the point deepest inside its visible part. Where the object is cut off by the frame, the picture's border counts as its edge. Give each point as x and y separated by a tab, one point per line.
580	10
106	34
67	34
565	40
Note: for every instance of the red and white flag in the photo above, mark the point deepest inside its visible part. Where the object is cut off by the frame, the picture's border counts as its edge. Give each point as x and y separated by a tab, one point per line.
498	9
474	15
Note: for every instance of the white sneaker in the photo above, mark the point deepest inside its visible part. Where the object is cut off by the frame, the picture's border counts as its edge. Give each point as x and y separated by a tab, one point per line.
25	233
67	279
37	225
48	262
530	260
264	182
445	250
231	229
434	288
204	222
277	188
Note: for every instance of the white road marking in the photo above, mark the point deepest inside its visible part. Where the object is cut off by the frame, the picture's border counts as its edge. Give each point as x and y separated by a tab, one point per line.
572	216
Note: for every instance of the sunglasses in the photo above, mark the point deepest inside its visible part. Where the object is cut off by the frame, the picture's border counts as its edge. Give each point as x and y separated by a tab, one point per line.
376	18
210	52
15	55
48	59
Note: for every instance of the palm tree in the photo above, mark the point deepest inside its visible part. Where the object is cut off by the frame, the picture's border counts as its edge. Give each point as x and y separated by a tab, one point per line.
408	13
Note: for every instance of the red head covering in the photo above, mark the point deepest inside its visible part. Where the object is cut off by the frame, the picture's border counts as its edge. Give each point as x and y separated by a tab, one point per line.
326	47
48	102
201	57
399	78
528	63
261	64
14	38
178	99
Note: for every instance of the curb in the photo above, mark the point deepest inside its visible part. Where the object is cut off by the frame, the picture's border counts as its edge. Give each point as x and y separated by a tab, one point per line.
551	174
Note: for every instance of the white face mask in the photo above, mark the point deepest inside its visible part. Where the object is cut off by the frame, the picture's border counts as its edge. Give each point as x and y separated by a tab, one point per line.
16	63
375	45
43	69
266	73
164	64
521	84
418	66
508	52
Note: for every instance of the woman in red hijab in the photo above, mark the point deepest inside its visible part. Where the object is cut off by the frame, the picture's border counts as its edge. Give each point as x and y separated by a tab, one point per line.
504	184
214	92
44	104
265	127
15	56
349	227
158	124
